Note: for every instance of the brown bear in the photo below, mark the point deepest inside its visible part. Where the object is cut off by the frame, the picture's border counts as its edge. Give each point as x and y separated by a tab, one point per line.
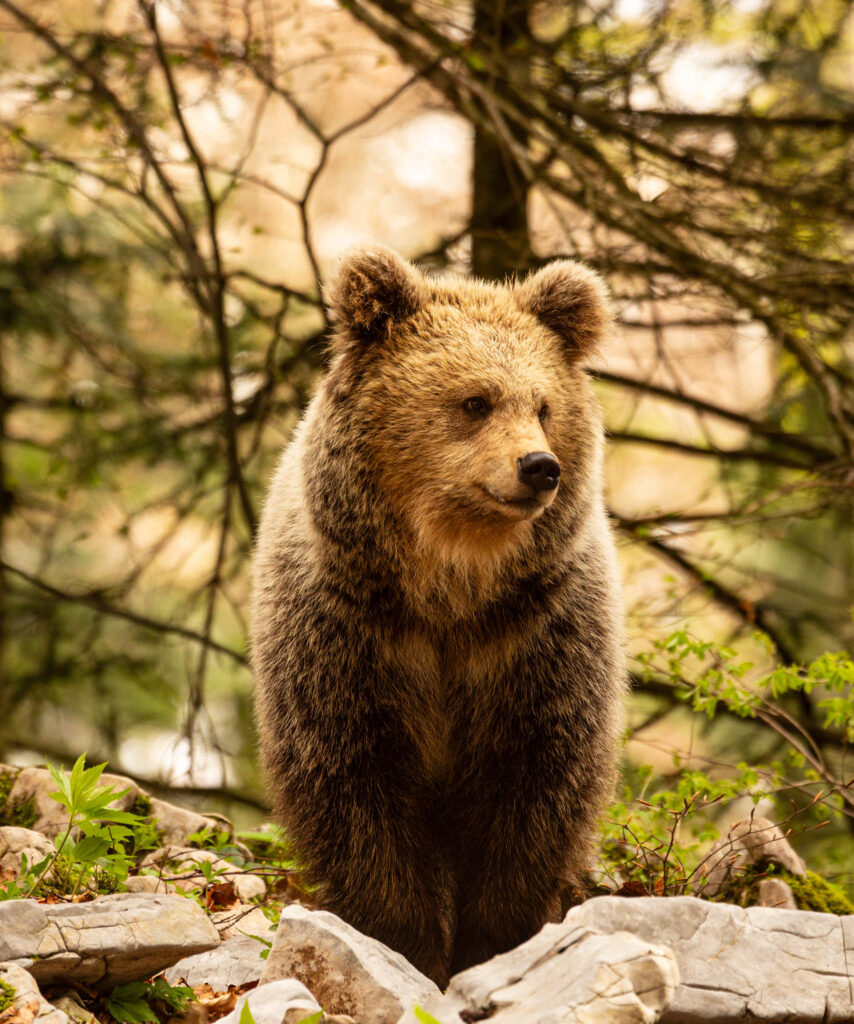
436	626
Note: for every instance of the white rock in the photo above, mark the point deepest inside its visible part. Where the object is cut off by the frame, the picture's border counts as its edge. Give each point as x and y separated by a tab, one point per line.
30	1004
281	1002
176	824
348	972
106	942
565	974
749	841
243	919
776	892
36	784
759	965
16	843
148	883
236	962
180	864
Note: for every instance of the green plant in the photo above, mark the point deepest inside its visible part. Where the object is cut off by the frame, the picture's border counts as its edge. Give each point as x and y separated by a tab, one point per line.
131	1003
655	836
7	996
98	857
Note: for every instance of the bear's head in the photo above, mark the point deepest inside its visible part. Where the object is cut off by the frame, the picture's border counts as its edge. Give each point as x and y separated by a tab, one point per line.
471	399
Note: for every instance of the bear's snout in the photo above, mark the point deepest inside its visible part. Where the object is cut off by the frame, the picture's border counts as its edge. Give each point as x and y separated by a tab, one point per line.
539	470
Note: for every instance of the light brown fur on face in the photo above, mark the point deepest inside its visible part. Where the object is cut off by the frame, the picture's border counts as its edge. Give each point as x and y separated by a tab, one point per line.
436	643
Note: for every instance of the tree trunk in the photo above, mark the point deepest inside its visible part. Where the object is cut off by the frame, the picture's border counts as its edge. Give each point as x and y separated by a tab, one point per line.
499	223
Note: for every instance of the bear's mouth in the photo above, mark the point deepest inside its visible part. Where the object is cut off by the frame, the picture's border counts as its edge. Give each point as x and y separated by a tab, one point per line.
528	506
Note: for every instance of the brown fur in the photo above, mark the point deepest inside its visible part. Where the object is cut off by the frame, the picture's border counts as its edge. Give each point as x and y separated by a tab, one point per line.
438	670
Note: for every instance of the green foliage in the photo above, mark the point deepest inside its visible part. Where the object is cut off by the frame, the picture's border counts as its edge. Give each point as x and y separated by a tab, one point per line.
657	833
811	892
7	995
424	1017
99	857
246	1016
131	1003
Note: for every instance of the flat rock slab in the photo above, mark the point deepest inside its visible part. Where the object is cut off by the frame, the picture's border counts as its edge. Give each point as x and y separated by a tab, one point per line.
236	962
346	971
759	964
109	941
30	1004
565	974
180	865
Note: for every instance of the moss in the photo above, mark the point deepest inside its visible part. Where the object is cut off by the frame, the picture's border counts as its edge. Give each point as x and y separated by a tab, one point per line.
7	780
816	893
7	996
811	892
21	814
141	805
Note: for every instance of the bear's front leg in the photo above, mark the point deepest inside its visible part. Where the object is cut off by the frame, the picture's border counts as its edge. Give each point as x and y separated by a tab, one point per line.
349	787
525	812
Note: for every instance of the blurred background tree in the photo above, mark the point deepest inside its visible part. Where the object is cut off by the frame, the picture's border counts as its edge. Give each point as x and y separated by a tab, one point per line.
177	179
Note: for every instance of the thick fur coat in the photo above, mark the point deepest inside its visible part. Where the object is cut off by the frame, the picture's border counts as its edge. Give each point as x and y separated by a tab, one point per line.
436	647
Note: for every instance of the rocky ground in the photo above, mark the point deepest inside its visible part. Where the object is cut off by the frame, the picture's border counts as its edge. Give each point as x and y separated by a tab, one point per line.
146	912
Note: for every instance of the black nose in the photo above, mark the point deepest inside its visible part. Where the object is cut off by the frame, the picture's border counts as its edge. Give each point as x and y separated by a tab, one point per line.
539	470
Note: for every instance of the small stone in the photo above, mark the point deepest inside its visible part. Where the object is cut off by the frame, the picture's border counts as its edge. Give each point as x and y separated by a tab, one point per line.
244	919
348	972
176	824
281	1002
30	1004
776	892
750	841
72	1007
16	843
105	942
179	864
148	883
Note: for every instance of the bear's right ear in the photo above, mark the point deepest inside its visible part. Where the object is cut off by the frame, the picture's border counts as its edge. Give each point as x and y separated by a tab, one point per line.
372	291
571	300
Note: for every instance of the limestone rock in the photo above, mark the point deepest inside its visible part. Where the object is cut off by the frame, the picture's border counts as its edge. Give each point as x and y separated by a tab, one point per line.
180	864
32	787
148	883
176	824
35	785
236	962
758	964
281	1002
29	998
109	941
347	972
16	843
565	974
75	1010
244	919
776	892
747	842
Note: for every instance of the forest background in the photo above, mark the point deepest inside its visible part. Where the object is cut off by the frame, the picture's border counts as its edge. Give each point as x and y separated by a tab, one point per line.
176	180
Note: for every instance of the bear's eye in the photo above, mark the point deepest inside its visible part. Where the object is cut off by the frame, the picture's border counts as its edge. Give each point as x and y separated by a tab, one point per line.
476	406
543	413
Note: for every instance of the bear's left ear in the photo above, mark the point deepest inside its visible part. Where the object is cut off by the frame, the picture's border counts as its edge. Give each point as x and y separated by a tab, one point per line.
372	291
571	300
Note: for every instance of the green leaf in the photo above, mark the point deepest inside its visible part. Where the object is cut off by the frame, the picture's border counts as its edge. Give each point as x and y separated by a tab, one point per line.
246	1014
424	1016
313	1018
128	1003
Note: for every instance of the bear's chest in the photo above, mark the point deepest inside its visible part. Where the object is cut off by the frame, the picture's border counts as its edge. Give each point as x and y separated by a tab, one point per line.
446	683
